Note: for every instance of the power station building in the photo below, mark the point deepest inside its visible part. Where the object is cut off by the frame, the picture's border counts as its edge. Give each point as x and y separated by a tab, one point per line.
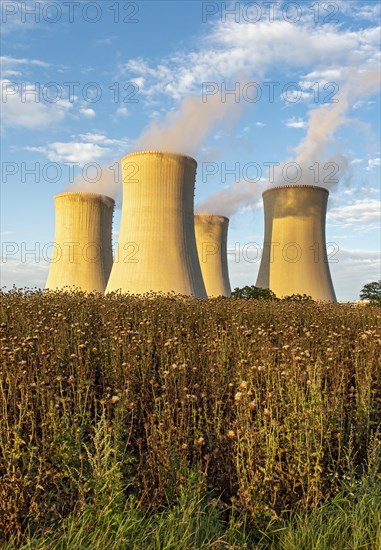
211	238
82	250
294	258
157	249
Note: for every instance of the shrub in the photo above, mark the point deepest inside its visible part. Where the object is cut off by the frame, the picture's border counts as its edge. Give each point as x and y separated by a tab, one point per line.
372	292
253	293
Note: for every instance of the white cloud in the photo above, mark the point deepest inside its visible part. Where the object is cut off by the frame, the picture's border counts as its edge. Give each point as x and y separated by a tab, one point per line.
232	48
361	211
373	163
362	103
101	139
87	112
322	76
295	122
139	82
107	41
10	72
359	9
90	147
8	62
358	104
122	111
72	152
26	111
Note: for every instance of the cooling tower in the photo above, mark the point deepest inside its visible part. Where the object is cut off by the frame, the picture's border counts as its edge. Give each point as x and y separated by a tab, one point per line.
294	258
157	245
82	255
211	239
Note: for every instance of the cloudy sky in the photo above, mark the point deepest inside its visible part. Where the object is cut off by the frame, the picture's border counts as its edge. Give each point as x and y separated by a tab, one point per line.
259	93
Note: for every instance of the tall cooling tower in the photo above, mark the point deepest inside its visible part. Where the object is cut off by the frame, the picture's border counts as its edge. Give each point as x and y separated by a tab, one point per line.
211	238
82	255
157	245
294	259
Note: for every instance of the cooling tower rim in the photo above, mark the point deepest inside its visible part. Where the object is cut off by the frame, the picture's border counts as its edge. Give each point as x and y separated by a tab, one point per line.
159	152
211	215
278	187
84	194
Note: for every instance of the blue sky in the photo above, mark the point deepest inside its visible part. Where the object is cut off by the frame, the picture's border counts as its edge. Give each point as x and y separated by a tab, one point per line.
82	80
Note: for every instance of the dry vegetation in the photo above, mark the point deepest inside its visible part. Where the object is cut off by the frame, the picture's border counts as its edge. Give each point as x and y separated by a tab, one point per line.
269	404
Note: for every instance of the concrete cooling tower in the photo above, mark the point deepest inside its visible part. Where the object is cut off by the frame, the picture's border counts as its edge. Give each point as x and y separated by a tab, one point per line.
211	238
157	245
82	255
294	258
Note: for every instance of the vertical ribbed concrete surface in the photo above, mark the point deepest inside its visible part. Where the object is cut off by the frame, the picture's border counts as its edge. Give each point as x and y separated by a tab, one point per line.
157	246
82	253
294	258
211	238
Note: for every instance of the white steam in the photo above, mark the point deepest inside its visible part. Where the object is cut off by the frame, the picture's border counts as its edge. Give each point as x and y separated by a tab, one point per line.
185	130
227	201
318	158
105	180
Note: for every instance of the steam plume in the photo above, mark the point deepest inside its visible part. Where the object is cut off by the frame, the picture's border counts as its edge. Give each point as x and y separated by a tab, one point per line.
228	201
323	122
315	147
107	181
184	131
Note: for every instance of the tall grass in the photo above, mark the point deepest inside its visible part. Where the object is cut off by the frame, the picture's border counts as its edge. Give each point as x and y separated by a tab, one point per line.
350	520
109	406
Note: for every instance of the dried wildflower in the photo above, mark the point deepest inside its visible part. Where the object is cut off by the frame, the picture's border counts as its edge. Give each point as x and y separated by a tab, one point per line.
114	399
238	396
231	434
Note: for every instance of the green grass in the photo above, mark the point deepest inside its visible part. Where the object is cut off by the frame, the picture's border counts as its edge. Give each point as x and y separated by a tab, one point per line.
349	521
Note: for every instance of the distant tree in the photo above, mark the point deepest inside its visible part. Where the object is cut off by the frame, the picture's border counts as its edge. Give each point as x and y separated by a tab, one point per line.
253	293
298	298
372	292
